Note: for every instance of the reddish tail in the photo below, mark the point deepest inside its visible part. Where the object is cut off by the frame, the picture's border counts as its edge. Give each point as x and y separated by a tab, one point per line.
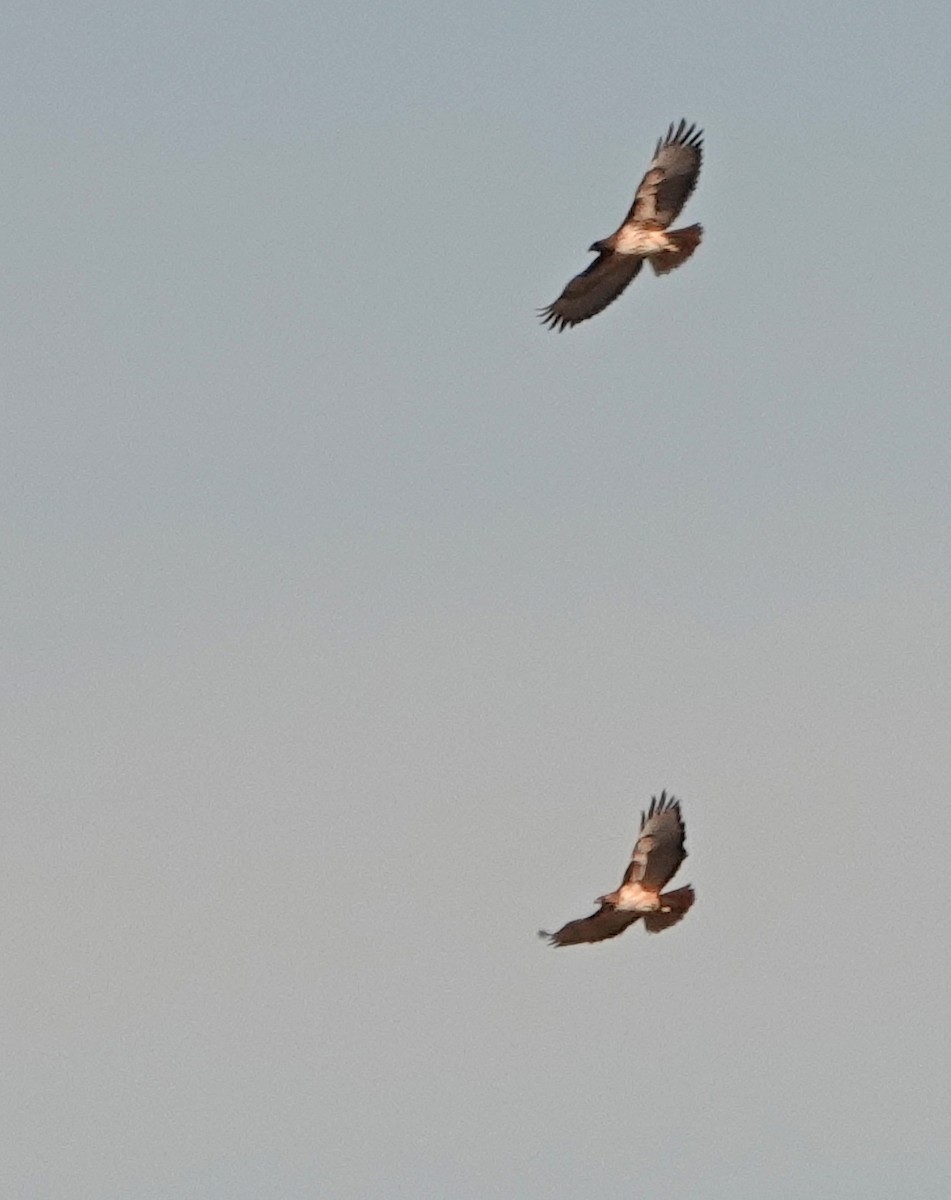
686	241
676	905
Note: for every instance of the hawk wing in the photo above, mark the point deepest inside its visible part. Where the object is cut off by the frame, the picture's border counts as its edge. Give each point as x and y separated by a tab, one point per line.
607	922
670	178
659	849
593	290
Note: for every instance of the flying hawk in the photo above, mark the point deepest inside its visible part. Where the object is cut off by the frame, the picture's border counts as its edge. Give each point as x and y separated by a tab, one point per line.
663	192
658	853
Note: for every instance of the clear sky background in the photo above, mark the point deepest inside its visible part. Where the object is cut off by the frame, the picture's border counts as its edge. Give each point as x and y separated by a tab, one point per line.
351	617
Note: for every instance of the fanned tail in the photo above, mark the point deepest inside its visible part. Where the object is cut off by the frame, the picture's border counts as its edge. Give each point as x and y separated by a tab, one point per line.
675	907
686	240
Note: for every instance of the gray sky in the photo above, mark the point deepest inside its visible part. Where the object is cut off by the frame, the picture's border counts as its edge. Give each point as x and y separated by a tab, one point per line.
351	617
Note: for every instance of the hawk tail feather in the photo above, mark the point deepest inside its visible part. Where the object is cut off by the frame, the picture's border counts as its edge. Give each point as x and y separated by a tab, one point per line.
686	240
675	907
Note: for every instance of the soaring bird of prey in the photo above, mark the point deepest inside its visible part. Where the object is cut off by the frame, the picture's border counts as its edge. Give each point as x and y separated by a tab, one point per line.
658	853
663	192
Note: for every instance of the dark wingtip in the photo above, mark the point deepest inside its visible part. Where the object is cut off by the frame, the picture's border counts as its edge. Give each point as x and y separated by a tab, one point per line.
682	135
664	801
552	319
659	804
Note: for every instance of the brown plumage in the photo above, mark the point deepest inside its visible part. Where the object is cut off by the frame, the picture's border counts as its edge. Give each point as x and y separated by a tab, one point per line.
657	855
664	190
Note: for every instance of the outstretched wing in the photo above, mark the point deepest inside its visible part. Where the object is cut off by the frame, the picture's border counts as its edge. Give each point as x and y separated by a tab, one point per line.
659	849
593	290
670	178
607	922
